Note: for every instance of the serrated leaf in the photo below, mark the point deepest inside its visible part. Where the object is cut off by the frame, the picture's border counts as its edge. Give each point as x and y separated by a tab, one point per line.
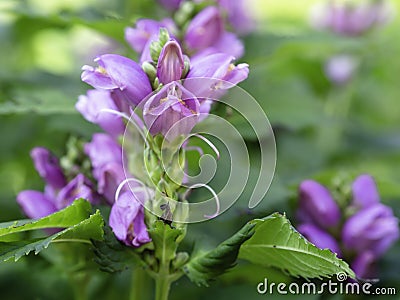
111	255
164	238
276	243
78	211
205	267
90	228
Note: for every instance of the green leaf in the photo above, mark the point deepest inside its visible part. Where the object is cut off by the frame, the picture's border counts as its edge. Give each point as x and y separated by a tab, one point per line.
165	241
113	256
90	228
207	266
276	243
78	211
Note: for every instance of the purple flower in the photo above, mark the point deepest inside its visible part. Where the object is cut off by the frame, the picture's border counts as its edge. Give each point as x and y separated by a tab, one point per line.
319	237
373	228
36	204
205	29
349	19
364	265
365	192
171	4
340	69
139	36
109	178
48	167
127	219
92	106
102	150
238	15
229	44
173	111
170	64
317	205
116	72
79	187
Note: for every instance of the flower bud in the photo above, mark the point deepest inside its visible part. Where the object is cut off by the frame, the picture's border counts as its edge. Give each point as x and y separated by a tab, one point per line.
365	192
171	63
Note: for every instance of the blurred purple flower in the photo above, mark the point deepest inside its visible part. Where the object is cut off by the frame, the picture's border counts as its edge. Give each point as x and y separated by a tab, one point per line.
48	167
171	4
317	205
127	219
35	204
116	72
340	68
92	106
138	36
205	29
365	192
238	15
350	19
373	228
171	63
172	104
364	265
319	237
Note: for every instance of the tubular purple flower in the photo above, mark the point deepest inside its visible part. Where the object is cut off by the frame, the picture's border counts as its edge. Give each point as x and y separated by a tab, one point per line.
171	4
319	237
35	204
365	192
138	36
127	219
92	106
229	44
173	110
102	150
316	204
48	167
109	178
205	29
170	64
79	187
373	228
118	72
364	265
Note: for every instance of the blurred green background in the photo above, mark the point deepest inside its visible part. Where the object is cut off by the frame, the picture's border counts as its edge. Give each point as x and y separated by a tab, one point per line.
322	130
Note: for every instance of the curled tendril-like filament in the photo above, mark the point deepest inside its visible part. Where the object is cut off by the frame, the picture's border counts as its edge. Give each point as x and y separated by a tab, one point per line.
209	143
215	196
133	190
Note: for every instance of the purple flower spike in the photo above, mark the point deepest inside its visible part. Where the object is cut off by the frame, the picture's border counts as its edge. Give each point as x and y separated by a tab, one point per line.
317	204
119	72
138	36
205	29
35	204
170	63
79	187
127	219
364	265
365	192
92	106
373	228
173	111
48	167
171	4
319	237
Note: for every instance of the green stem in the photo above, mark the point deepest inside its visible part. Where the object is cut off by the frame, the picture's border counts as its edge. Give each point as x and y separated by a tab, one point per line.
140	285
163	285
